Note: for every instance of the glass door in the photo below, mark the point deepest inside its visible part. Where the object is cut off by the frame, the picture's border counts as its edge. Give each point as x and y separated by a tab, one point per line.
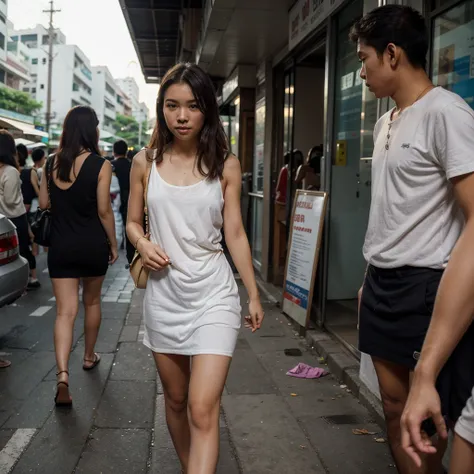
283	195
348	208
257	183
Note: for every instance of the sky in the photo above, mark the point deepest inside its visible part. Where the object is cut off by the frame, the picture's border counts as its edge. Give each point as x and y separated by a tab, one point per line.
98	27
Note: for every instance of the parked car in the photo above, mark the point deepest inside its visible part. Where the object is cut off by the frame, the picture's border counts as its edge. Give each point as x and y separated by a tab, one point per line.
14	270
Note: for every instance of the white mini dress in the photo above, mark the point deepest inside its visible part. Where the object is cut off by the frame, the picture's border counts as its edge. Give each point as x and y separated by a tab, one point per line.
193	306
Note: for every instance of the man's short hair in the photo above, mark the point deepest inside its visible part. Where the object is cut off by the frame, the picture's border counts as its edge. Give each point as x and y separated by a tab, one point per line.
37	155
120	147
401	25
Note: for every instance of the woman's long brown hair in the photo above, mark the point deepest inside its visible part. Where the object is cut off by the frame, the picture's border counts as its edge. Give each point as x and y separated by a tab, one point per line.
212	146
79	133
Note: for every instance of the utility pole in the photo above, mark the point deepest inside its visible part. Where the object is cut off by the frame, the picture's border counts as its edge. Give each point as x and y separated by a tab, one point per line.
51	12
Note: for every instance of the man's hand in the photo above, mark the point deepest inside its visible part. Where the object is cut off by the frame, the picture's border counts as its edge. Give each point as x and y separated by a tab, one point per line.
423	403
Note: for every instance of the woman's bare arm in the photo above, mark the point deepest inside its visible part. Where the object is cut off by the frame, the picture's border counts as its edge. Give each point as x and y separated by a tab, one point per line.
236	238
153	256
104	207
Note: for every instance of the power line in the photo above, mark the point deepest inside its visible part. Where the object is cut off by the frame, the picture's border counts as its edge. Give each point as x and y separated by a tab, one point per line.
51	12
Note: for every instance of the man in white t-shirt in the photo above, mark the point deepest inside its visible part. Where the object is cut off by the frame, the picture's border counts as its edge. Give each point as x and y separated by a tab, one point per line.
421	218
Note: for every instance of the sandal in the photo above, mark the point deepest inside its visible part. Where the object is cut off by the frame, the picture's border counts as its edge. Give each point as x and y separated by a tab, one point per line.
62	398
95	362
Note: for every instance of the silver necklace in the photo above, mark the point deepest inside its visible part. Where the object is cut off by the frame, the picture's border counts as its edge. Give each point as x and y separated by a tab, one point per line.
399	111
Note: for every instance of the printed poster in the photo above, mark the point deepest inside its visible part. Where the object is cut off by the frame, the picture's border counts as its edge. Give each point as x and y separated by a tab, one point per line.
305	240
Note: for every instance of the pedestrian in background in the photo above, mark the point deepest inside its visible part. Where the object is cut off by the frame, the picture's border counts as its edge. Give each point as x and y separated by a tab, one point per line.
121	168
419	251
191	306
83	242
11	201
38	155
29	180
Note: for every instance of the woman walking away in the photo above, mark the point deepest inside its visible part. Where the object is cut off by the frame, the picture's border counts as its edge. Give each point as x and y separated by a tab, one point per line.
191	305
11	201
83	241
30	190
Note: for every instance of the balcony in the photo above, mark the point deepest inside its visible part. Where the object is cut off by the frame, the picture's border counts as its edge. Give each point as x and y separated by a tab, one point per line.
109	110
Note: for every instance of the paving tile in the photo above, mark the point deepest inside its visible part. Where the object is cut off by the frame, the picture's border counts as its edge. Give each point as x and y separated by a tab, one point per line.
115	451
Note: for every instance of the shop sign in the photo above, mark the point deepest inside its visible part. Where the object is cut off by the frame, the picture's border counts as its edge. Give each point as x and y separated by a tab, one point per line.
341	156
306	16
307	221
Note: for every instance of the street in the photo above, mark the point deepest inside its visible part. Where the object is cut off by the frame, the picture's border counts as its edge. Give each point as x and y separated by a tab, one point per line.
270	423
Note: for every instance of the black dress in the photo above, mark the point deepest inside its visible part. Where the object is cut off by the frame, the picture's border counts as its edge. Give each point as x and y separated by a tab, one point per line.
79	245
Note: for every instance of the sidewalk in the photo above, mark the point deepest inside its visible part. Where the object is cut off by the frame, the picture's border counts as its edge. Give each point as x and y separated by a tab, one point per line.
270	423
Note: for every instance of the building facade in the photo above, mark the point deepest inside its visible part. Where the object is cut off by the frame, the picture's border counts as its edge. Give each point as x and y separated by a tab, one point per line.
139	110
37	37
104	97
14	66
124	104
71	78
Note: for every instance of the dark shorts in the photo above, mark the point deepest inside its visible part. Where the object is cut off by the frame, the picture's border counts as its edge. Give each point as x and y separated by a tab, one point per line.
395	314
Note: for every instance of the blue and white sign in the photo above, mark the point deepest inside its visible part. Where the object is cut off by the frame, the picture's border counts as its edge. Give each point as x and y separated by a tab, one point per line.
305	239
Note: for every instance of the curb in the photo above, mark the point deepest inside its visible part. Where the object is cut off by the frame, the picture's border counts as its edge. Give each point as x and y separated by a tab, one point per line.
345	367
341	363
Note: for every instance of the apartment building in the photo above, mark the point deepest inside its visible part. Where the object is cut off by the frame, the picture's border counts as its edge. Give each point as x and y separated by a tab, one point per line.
104	97
139	110
72	72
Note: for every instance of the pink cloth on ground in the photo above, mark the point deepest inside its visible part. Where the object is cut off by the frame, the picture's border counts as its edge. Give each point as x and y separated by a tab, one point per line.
305	371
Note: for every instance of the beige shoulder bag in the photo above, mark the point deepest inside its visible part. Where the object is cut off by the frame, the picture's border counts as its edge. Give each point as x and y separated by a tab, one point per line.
138	272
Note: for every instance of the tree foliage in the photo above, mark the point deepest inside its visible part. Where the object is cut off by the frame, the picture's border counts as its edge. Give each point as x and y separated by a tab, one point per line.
18	101
128	129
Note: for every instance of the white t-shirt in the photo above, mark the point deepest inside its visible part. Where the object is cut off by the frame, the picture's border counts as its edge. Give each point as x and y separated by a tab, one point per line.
414	217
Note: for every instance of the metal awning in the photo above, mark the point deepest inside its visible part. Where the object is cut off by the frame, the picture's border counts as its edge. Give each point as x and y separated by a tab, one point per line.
155	28
23	141
23	127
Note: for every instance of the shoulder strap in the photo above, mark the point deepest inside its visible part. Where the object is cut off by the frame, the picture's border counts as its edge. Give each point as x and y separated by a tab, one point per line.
146	180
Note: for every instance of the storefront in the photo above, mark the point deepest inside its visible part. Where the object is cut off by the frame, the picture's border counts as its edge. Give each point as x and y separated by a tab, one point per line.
318	99
257	192
310	93
452	51
237	109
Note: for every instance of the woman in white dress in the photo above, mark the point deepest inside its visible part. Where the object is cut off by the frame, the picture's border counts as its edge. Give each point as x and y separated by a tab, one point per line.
191	306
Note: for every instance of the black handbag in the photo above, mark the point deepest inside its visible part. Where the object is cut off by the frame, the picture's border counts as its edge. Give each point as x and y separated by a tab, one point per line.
41	226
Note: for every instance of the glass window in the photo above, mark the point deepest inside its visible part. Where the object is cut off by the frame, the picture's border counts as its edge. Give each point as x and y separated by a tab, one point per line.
234	128
257	229
288	112
257	181
259	141
350	202
2	41
453	51
34	61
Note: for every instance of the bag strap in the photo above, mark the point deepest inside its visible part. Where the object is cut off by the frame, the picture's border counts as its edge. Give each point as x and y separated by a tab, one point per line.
146	180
